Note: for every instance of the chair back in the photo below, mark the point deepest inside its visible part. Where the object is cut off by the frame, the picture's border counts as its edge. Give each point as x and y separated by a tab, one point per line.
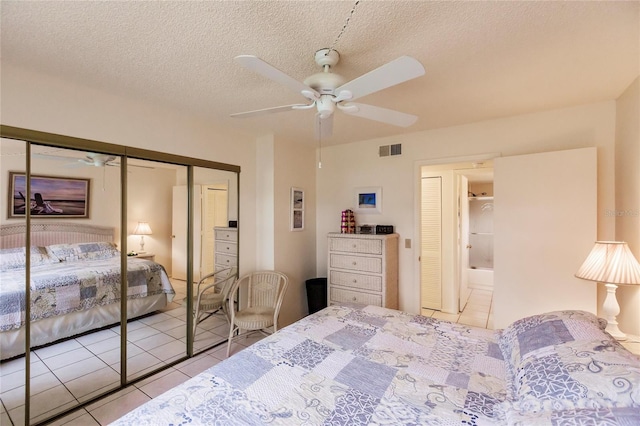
264	289
221	280
227	280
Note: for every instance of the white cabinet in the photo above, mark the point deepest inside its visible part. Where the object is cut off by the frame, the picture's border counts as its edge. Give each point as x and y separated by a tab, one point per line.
226	247
363	269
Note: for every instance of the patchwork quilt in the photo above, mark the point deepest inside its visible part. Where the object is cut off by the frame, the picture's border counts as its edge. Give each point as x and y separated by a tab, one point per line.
369	365
69	286
346	366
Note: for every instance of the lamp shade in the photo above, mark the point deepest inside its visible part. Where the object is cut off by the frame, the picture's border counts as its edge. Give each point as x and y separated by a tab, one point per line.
143	228
610	262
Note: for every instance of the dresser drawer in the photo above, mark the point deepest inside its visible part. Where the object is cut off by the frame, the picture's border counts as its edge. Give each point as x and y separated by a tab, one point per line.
355	245
226	261
345	296
225	235
226	247
365	282
356	263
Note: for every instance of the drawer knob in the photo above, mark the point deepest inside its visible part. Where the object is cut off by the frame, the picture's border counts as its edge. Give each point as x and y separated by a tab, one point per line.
354	246
355	298
355	281
355	263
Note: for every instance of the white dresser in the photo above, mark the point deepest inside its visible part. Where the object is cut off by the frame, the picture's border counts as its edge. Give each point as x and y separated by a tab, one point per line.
226	247
363	269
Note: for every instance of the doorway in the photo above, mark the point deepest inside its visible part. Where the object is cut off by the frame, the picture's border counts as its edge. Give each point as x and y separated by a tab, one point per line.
211	205
456	227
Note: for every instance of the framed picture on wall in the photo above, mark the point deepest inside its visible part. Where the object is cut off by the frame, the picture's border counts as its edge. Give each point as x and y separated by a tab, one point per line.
51	196
297	209
368	200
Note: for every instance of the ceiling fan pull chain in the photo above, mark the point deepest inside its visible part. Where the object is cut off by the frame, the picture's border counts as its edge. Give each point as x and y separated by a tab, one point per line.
344	28
319	144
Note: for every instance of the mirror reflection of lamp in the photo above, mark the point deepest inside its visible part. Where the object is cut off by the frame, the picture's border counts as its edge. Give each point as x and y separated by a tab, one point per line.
611	263
142	229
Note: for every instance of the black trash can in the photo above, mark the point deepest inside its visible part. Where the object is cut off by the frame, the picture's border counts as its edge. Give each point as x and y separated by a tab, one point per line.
316	294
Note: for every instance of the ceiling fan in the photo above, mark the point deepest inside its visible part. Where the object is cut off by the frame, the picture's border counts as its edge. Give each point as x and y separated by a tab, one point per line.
98	160
327	91
90	159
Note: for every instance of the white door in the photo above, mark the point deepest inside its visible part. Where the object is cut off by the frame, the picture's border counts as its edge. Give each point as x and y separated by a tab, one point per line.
179	233
431	243
545	223
214	213
463	240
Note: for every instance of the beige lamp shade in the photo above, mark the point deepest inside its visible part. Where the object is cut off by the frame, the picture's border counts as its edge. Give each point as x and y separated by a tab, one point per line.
143	228
610	262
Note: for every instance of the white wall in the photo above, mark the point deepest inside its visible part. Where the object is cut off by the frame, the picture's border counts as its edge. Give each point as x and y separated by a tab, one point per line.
40	102
346	167
294	250
626	209
265	221
149	199
544	226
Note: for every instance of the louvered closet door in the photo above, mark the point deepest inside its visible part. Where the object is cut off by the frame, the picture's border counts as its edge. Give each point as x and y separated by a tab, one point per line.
431	243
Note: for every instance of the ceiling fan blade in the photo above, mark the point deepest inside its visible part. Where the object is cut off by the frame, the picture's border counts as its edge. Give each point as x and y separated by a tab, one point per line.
255	64
323	127
383	115
267	110
395	72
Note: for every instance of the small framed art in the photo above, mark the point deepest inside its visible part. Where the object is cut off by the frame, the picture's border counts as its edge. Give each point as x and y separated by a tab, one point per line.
297	209
369	200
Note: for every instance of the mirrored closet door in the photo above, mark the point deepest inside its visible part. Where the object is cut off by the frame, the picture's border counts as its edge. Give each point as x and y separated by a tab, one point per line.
114	242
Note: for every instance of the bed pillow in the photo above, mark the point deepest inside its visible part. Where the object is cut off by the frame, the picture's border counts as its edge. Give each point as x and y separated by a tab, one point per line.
565	361
83	251
16	258
527	336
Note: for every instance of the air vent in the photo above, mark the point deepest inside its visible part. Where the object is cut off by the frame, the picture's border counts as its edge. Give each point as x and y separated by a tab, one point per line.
389	150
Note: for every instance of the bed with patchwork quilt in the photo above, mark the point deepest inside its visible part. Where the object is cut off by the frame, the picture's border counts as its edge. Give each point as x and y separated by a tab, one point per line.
348	365
74	288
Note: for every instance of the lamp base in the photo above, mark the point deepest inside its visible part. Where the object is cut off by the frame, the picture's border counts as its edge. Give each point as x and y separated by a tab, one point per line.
611	309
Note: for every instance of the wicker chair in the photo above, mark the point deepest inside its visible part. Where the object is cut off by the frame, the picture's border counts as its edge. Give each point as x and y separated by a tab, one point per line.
211	294
265	291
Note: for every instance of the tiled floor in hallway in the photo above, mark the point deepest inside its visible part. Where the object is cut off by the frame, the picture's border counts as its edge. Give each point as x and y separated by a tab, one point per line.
478	311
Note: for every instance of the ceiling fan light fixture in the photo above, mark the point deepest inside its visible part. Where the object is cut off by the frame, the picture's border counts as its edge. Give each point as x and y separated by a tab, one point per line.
325	106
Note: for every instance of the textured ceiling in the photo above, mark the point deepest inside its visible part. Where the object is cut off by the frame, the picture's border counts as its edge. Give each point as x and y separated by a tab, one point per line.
482	59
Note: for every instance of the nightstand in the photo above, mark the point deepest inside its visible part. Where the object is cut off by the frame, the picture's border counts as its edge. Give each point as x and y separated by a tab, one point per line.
147	256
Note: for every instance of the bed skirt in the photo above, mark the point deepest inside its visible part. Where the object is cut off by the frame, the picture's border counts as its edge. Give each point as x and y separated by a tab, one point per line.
51	329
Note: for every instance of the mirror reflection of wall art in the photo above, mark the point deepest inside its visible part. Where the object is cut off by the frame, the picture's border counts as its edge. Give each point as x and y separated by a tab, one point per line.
369	200
51	197
297	209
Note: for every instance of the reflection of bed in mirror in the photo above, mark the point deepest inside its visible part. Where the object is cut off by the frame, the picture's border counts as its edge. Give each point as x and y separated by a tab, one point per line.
75	283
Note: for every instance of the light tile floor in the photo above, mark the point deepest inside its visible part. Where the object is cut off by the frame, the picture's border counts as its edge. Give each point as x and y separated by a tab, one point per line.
76	370
477	312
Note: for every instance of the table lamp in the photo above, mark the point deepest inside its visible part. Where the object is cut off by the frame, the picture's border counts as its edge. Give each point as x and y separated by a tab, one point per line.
142	229
611	263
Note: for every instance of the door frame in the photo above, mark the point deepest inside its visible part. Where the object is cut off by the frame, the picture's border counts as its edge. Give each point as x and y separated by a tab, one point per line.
445	163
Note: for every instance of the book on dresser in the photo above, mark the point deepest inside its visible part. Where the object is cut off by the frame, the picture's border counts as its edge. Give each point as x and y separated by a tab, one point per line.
225	247
363	269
